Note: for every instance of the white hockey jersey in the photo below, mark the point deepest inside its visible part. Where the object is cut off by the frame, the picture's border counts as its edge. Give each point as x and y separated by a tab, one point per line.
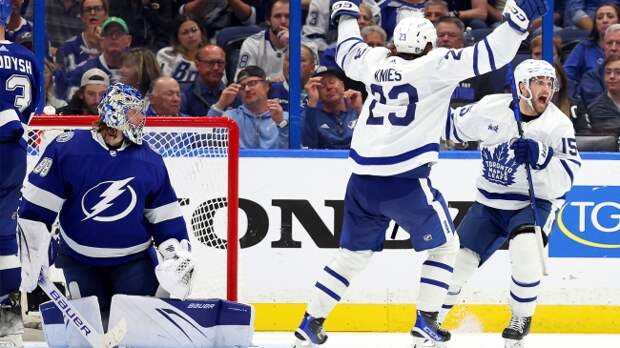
258	50
404	115
173	64
502	183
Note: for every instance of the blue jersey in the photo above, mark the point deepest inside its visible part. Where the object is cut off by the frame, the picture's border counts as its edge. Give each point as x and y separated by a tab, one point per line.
112	204
19	92
73	52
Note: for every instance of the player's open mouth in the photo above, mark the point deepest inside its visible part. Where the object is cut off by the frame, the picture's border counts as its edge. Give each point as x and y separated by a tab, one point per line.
542	99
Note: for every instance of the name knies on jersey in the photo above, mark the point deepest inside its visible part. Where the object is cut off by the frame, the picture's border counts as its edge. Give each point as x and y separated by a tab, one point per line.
390	74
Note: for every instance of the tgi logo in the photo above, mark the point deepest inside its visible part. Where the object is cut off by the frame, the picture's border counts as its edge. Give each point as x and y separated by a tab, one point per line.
588	224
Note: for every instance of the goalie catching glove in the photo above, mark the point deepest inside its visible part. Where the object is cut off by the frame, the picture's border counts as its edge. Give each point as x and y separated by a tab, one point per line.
175	271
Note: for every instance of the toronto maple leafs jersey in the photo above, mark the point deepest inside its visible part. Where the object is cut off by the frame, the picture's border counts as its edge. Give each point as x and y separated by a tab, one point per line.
112	205
404	115
502	183
173	64
20	91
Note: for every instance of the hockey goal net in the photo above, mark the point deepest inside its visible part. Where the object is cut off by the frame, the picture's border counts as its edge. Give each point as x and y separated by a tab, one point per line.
201	155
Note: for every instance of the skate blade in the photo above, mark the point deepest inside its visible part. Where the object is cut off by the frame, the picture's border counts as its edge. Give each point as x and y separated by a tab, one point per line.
303	344
508	343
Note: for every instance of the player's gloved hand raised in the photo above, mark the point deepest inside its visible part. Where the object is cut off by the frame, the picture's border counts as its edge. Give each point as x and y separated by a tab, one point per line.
533	152
344	8
519	14
175	272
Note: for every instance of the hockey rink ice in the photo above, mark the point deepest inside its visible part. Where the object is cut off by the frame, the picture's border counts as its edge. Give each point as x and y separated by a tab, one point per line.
401	340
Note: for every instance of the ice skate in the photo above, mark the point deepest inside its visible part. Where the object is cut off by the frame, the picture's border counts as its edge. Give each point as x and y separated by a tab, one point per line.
427	329
11	324
516	331
310	332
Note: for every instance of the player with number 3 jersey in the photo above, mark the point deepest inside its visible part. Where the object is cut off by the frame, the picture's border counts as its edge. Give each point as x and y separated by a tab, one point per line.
19	97
395	142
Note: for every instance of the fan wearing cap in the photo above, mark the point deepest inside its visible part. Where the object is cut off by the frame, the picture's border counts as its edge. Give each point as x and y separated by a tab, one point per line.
85	100
395	143
115	40
331	113
19	99
263	124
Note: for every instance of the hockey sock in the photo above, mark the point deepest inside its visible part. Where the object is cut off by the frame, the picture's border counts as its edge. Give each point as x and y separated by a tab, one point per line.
526	274
465	265
10	274
335	280
436	274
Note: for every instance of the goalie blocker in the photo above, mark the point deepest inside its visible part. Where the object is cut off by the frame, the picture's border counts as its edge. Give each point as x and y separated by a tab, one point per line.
160	323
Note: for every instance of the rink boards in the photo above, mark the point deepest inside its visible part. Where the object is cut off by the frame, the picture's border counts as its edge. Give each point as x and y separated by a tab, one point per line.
291	207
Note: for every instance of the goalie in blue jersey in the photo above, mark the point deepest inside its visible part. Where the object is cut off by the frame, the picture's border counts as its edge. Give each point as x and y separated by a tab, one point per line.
115	204
394	145
19	97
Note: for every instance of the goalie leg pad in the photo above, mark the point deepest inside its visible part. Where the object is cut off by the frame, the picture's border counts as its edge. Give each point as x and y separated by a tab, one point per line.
335	280
57	334
158	323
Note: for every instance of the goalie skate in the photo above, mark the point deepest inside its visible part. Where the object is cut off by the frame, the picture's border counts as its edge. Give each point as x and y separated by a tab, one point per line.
310	332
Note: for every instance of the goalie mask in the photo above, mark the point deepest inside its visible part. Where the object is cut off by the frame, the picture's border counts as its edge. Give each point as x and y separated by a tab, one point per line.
6	8
413	34
531	69
122	108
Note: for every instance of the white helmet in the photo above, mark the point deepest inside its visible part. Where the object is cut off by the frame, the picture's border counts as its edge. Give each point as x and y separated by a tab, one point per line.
412	34
530	69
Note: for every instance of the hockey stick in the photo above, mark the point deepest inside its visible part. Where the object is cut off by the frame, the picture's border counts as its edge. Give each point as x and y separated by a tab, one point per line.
96	339
537	227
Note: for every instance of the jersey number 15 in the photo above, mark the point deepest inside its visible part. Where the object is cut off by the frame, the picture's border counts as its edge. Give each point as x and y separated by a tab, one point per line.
393	118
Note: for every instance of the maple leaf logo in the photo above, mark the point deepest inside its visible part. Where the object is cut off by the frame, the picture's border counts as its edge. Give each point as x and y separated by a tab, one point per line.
498	167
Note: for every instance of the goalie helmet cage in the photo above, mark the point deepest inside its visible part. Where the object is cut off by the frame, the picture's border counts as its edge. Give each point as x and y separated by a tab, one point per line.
202	158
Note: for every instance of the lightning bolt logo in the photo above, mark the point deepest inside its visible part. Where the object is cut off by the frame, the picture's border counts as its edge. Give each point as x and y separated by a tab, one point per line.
114	190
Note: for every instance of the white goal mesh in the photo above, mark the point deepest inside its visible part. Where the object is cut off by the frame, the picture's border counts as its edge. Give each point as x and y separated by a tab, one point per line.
201	155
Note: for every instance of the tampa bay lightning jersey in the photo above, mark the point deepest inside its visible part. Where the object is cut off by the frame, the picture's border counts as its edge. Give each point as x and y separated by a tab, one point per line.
73	52
404	115
173	64
502	183
19	91
112	204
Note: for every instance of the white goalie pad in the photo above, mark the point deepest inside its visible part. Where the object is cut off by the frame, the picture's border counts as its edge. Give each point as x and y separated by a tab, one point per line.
60	335
162	323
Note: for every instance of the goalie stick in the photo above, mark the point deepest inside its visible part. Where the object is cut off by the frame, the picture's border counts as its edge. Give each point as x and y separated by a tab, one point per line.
537	228
94	338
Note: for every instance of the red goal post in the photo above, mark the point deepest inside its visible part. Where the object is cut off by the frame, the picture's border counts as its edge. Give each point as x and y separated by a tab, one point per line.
196	151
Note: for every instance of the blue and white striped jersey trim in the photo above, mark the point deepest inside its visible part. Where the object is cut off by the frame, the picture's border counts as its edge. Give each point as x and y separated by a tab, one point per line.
42	198
165	212
106	252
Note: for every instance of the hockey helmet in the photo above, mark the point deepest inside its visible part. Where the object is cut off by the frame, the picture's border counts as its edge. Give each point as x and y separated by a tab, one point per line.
412	34
531	69
6	8
122	108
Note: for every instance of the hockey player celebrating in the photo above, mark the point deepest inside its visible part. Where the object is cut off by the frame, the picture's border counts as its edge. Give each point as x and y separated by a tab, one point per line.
113	197
19	78
502	209
395	142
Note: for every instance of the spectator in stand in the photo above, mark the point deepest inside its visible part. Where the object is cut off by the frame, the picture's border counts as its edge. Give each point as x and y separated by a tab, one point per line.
592	84
560	98
220	14
280	89
179	59
435	9
62	20
374	36
208	86
580	14
589	53
451	34
331	113
84	46
139	69
263	124
50	97
115	40
473	13
17	24
85	100
151	21
393	11
604	111
366	18
165	98
266	48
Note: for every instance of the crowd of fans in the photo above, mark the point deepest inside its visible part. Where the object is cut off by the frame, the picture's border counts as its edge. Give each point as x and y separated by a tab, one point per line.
203	58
